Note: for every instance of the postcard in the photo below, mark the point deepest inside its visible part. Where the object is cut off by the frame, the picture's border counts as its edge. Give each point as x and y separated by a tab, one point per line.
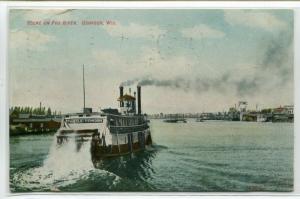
151	100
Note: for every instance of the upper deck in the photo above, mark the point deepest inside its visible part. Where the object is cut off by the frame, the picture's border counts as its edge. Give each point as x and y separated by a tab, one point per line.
127	124
115	123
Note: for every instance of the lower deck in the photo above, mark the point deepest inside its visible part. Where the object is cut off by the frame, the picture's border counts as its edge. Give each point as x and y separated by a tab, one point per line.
127	143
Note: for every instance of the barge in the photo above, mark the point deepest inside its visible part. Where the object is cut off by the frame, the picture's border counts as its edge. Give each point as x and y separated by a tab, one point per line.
175	119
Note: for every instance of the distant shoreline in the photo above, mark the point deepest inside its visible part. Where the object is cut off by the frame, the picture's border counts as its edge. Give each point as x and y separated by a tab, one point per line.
16	134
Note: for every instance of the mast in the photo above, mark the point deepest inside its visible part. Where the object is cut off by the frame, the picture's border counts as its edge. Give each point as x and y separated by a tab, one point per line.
83	88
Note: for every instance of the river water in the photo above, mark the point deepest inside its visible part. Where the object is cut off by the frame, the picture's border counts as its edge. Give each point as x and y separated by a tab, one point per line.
189	157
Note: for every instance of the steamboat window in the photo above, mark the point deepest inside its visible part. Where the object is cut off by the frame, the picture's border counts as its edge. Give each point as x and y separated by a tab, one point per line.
112	122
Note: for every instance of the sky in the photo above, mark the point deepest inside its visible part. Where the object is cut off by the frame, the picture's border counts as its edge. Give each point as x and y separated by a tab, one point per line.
185	60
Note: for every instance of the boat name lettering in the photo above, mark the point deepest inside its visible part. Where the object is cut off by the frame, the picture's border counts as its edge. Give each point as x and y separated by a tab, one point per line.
86	120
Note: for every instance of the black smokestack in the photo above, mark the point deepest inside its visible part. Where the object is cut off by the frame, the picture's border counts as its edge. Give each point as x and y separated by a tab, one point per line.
139	99
121	95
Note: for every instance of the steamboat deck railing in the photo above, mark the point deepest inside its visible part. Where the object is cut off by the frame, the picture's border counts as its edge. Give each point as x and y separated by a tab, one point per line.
127	124
128	129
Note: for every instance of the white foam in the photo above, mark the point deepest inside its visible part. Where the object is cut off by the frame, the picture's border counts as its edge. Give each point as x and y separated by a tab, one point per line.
64	165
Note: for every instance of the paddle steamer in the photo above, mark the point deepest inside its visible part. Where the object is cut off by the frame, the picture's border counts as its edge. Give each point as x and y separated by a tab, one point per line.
111	132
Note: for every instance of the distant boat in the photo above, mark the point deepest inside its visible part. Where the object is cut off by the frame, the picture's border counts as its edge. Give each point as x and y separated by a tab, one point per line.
261	118
199	119
175	119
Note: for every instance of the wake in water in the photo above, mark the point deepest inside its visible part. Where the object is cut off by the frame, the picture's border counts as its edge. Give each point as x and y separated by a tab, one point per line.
65	165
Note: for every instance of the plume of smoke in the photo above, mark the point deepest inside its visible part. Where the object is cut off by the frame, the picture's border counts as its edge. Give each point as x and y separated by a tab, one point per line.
129	82
276	66
278	56
276	63
182	83
179	82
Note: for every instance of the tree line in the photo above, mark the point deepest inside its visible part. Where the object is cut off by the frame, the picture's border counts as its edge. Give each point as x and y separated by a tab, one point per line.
16	110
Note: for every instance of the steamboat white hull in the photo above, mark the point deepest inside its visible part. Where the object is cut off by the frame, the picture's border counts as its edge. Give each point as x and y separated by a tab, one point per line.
110	135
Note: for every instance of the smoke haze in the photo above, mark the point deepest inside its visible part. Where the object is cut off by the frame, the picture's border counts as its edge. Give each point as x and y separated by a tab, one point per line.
274	66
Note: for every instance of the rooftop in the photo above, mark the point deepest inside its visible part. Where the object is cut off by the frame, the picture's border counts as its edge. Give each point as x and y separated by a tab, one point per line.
126	97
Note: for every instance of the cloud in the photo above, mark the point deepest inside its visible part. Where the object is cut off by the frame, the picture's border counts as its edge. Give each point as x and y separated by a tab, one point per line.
106	56
254	19
30	40
271	71
202	31
42	14
278	56
148	62
134	30
185	72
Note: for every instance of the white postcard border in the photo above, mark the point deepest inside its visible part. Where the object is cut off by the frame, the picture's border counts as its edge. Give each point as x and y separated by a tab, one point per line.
4	143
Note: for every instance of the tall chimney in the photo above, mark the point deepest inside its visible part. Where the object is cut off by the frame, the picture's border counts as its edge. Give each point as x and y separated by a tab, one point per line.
134	102
139	100
121	95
